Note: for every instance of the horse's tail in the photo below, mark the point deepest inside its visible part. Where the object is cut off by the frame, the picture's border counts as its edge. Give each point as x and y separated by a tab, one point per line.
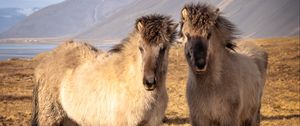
35	104
262	62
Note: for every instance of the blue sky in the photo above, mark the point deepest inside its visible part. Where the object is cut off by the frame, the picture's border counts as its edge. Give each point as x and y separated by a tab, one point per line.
27	3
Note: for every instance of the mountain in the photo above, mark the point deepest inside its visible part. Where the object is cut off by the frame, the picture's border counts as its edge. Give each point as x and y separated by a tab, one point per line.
114	19
121	23
255	18
10	16
64	19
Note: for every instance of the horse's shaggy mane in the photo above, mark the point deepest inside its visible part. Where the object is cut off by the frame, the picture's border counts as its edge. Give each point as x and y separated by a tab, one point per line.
118	47
203	16
156	29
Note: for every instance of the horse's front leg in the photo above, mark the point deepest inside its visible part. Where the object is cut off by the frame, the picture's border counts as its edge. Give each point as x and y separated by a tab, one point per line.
158	111
231	120
199	120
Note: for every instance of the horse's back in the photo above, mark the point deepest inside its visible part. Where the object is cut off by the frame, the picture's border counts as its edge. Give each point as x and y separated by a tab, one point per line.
66	56
48	75
254	61
256	53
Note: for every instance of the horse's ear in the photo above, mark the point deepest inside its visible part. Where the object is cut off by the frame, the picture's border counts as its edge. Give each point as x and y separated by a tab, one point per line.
184	13
139	26
217	13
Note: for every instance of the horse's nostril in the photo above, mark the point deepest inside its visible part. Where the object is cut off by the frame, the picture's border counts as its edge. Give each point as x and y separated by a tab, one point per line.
149	83
201	63
188	55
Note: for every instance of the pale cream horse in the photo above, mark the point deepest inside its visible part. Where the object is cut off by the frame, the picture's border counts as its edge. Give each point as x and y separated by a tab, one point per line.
77	84
226	80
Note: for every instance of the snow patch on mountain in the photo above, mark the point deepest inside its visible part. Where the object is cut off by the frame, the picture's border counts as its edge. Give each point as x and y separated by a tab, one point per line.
27	11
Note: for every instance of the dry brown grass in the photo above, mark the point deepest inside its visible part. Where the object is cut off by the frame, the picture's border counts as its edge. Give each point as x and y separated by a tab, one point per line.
281	99
16	83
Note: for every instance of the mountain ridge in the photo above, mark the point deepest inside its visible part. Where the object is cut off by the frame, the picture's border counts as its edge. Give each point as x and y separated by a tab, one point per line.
11	16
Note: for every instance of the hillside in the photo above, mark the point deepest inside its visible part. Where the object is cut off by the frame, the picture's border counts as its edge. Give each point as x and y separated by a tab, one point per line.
280	105
254	18
10	16
64	19
114	19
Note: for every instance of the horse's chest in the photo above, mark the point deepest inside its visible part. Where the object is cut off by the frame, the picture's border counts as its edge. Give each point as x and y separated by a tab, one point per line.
210	105
214	106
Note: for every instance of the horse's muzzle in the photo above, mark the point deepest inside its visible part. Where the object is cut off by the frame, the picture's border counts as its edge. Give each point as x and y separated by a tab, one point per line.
149	83
200	64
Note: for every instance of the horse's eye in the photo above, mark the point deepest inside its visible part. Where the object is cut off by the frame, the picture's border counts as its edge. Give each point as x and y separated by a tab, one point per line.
162	49
188	54
188	36
182	18
208	35
141	49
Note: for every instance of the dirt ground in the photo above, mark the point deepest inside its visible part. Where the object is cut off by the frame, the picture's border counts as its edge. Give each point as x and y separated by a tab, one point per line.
281	99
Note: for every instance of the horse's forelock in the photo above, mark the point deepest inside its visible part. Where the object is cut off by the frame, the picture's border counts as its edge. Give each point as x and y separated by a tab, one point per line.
157	28
203	17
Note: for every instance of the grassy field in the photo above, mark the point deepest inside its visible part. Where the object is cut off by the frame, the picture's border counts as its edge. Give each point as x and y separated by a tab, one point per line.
281	99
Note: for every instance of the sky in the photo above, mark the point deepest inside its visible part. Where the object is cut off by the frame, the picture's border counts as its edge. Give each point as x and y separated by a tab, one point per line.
27	3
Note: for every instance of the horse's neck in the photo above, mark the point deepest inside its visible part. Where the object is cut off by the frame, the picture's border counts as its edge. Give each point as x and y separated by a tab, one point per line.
129	60
131	46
